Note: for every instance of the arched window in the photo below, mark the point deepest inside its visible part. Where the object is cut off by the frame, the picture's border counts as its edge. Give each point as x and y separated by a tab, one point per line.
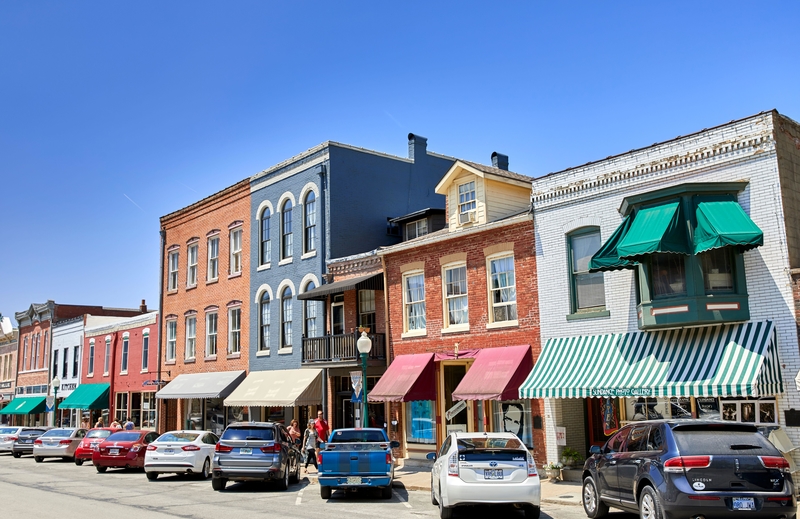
286	318
266	245
286	230
310	223
263	344
310	324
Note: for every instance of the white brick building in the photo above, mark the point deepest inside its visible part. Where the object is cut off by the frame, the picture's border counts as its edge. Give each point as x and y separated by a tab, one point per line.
760	155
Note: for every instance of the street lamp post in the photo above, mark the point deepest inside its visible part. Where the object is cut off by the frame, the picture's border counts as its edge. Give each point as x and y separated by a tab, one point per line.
364	345
55	384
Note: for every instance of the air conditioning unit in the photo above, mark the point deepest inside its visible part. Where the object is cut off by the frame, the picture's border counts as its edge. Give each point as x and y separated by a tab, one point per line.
468	217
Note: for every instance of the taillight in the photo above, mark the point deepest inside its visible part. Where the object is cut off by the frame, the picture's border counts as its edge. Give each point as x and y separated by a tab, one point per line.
152	448
37	442
531	466
12	438
775	462
388	458
223	448
136	447
65	442
452	465
190	448
275	447
681	463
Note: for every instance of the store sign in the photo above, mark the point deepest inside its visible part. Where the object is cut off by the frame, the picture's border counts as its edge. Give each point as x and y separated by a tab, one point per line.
68	387
457	408
636	391
5	385
561	435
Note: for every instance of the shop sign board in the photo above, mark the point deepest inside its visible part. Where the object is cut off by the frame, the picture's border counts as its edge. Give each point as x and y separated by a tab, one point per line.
457	408
621	392
561	435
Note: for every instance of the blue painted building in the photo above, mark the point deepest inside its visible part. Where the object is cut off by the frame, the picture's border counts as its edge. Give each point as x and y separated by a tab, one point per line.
331	201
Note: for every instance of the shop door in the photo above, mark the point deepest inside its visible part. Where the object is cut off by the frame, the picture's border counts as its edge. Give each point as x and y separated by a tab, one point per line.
451	377
337	318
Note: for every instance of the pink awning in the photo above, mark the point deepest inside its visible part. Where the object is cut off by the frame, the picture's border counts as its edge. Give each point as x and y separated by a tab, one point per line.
496	374
408	378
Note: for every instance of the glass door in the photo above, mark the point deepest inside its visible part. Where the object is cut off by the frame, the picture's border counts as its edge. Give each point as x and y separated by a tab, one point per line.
461	417
337	318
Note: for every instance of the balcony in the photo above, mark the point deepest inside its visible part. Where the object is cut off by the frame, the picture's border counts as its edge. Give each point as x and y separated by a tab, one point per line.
341	348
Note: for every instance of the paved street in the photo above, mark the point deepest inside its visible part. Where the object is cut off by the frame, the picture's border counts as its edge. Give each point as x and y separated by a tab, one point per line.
71	492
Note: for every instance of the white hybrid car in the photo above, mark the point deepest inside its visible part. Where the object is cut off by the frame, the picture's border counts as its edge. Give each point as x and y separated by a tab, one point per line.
484	468
180	452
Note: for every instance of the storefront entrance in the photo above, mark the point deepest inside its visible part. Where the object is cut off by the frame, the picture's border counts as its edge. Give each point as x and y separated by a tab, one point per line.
462	419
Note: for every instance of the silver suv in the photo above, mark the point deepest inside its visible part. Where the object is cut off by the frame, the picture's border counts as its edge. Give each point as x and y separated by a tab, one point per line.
255	451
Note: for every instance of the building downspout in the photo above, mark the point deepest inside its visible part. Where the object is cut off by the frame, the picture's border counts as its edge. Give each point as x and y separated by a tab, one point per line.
323	185
160	321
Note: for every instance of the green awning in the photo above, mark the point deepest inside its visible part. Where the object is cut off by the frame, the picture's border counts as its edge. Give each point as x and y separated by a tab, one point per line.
87	396
724	360
658	228
25	405
607	258
722	224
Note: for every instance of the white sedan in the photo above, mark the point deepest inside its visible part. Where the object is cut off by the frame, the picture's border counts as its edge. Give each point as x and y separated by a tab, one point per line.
180	452
484	468
8	435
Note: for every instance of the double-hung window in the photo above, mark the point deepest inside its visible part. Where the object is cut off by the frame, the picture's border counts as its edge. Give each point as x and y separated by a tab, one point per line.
124	363
263	344
173	271
366	309
65	364
234	329
414	302
145	352
310	223
211	334
466	198
172	339
286	318
286	230
416	229
76	354
588	290
90	367
502	289
236	251
310	325
266	243
455	293
107	357
191	272
191	331
55	363
213	258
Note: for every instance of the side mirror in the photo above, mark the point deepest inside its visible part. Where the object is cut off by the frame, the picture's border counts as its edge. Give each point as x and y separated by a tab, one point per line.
594	449
394	444
431	456
322	446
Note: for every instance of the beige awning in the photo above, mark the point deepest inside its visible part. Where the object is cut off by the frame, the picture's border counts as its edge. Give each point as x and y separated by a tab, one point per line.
279	388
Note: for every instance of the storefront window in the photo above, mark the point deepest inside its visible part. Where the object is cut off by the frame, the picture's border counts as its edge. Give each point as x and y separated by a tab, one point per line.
194	414
121	411
749	411
705	408
420	422
514	416
215	416
717	270
148	416
237	414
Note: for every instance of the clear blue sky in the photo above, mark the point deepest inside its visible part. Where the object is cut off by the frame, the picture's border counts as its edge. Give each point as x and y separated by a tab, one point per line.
115	113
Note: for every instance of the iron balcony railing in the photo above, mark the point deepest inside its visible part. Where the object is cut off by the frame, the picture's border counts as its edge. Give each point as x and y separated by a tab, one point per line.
337	348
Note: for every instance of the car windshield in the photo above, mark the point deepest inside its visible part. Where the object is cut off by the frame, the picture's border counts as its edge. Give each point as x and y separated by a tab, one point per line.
98	433
124	437
8	430
488	443
58	433
249	433
358	437
178	437
31	432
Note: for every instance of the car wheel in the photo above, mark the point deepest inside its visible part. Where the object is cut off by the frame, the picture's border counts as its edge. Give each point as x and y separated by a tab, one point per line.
16	454
100	469
295	477
592	504
78	462
386	492
152	476
283	484
38	459
206	469
218	483
445	512
325	492
532	512
434	502
649	505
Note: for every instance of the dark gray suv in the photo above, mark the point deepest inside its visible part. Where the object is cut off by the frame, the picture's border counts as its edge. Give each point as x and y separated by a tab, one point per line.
255	451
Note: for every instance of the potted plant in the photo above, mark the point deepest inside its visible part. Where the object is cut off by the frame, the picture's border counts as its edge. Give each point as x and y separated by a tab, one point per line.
553	470
572	464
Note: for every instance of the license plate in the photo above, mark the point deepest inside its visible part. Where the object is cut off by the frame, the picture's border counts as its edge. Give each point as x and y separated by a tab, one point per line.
245	450
492	473
353	480
744	503
113	452
26	441
169	451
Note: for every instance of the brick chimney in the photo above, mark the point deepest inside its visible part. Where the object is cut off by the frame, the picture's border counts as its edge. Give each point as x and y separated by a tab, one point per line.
417	147
143	307
500	161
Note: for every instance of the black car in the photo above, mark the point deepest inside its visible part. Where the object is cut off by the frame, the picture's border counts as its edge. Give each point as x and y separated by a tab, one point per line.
24	442
249	451
688	468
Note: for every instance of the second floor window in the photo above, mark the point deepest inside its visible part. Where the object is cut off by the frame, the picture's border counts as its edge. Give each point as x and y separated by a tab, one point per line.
503	287
466	197
286	230
236	251
124	363
310	234
90	367
173	271
263	344
266	244
211	334
286	318
414	302
55	363
65	364
191	330
107	357
310	325
234	330
191	273
213	258
588	290
455	286
76	354
145	352
366	309
172	338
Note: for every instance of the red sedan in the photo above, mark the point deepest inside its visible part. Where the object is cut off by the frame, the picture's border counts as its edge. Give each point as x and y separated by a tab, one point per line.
90	443
123	449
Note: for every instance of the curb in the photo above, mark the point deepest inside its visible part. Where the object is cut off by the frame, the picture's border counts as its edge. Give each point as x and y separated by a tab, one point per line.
555	501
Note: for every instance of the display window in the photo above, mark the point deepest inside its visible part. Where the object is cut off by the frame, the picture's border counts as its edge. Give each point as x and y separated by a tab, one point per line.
421	422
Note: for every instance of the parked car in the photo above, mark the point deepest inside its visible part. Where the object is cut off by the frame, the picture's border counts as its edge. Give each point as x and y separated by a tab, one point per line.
356	458
484	468
255	451
123	449
24	442
180	452
57	443
8	435
90	442
688	468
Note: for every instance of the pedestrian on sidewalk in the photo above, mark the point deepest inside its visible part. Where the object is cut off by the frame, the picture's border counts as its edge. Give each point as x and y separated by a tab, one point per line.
310	443
322	429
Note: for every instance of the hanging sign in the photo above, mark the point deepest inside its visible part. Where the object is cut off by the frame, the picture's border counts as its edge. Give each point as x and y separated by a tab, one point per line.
457	408
50	403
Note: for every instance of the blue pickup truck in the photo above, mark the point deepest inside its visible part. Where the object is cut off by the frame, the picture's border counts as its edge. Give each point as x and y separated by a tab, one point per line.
356	459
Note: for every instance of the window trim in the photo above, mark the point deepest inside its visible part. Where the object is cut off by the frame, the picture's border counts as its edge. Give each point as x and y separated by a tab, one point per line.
212	260
191	268
447	327
208	334
145	351
407	332
287	242
193	338
234	253
491	323
283	298
311	247
264	340
107	357
232	330
173	274
173	325
590	312
90	366
123	361
265	258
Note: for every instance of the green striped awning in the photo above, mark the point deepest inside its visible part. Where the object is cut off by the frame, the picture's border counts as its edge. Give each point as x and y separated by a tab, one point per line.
724	360
25	405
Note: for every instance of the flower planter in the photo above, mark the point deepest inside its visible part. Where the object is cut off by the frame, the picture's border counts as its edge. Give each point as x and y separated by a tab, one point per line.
552	474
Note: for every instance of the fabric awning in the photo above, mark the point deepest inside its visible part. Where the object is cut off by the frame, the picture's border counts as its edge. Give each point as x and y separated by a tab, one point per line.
87	396
725	360
607	258
368	282
25	405
496	374
658	228
202	385
724	223
408	378
279	388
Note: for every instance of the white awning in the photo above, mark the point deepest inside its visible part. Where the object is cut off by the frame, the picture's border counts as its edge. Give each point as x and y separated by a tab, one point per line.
202	385
279	388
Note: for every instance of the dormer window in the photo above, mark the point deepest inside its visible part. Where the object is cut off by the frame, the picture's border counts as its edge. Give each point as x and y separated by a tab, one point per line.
416	229
466	203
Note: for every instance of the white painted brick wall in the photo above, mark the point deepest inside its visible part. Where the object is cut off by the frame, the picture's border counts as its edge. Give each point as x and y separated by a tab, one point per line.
593	199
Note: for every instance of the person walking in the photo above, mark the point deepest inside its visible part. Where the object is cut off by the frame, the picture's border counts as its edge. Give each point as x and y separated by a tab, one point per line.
322	429
294	431
310	442
129	425
100	423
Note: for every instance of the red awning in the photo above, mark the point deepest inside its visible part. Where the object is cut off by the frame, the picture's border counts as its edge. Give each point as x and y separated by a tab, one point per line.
408	378
496	374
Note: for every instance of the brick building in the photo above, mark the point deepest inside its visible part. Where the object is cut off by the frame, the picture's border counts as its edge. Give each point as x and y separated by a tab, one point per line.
8	364
463	315
205	286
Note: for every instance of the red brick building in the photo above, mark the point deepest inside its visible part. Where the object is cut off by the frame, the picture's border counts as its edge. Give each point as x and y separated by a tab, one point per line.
464	317
205	287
